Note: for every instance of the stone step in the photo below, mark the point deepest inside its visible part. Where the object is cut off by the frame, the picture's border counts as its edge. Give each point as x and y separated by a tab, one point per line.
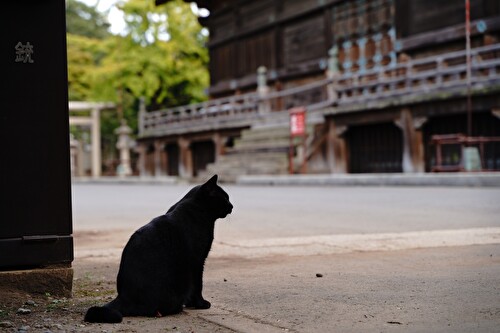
262	144
266	133
261	150
230	175
279	130
242	164
272	119
246	157
254	170
253	159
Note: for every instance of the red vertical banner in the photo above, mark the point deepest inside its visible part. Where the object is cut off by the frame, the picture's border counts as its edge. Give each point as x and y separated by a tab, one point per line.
298	121
297	129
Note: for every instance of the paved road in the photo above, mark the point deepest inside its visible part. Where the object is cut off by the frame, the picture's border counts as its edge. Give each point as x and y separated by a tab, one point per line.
275	212
256	286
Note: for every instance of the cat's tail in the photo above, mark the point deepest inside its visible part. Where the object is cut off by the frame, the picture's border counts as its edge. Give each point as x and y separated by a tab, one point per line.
108	313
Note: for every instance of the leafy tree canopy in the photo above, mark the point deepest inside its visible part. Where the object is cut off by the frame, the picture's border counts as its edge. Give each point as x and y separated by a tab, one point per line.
86	21
160	56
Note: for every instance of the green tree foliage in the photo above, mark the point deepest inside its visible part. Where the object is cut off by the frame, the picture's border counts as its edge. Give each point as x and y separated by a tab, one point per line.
84	57
85	21
161	56
86	29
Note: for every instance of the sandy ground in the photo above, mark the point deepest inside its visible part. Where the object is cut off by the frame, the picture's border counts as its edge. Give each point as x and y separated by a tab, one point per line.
300	260
444	289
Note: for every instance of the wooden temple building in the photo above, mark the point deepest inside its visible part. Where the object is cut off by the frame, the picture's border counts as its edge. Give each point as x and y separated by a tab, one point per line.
379	79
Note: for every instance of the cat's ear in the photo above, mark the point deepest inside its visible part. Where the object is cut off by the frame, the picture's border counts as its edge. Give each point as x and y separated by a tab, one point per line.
210	184
213	180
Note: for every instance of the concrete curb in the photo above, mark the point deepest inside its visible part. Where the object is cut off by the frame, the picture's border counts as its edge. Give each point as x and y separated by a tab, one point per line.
425	179
339	244
330	244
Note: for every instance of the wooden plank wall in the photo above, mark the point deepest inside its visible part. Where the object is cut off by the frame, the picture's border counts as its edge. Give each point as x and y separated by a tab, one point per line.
304	40
437	14
292	38
255	51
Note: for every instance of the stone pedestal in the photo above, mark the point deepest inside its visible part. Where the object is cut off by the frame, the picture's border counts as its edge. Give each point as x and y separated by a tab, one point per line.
56	281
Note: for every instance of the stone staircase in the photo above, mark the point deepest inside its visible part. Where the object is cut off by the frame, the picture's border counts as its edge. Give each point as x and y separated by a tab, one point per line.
258	151
261	150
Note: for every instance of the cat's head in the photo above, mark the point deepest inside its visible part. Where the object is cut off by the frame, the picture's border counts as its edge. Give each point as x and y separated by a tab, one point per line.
216	198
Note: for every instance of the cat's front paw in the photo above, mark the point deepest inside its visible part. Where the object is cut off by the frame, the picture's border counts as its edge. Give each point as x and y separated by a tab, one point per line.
203	304
198	304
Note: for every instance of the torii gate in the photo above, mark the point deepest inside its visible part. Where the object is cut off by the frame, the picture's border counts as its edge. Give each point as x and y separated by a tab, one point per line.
94	121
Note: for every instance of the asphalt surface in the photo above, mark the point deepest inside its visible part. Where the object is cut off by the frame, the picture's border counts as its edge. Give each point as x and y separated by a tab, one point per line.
294	211
318	259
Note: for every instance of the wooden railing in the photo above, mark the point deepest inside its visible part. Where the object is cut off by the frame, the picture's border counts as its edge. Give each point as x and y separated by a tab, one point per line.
205	114
434	74
413	78
460	142
233	111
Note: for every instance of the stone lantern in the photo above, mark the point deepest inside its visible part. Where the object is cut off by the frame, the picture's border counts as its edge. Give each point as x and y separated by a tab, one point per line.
123	145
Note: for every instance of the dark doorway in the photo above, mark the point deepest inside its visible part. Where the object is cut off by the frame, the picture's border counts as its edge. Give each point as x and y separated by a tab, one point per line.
203	154
375	148
172	151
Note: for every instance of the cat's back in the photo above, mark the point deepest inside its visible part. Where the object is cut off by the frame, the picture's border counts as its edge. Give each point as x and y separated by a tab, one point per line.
154	243
160	230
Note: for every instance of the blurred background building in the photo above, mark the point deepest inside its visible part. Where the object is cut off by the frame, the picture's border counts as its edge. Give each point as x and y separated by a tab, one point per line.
379	79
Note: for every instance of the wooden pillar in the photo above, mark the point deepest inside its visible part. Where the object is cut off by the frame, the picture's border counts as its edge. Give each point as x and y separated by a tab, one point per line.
336	148
158	157
219	145
185	158
165	160
413	145
141	163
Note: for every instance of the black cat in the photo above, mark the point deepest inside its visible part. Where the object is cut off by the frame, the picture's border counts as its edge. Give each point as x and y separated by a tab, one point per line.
161	268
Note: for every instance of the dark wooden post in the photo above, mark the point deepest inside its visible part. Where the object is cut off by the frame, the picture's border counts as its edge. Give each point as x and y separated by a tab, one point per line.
35	211
159	157
219	145
141	163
